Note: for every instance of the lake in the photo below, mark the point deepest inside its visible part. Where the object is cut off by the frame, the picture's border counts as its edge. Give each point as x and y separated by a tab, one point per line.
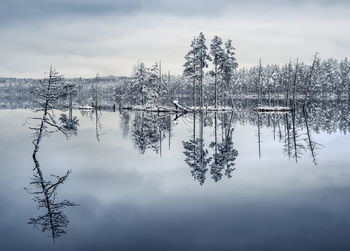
130	180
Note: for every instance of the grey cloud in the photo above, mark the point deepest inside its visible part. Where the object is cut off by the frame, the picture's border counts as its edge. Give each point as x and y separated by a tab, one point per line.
83	37
19	11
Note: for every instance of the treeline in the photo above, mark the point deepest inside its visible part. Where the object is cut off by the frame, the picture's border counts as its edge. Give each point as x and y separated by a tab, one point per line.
17	93
210	146
149	130
323	79
148	86
211	77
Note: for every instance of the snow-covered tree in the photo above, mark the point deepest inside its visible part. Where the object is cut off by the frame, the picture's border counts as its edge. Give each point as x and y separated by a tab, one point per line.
228	66
202	58
190	69
218	55
344	68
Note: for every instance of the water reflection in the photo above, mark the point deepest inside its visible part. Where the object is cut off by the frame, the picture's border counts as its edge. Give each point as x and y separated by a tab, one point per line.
149	130
214	154
207	147
312	145
226	154
210	148
196	154
297	137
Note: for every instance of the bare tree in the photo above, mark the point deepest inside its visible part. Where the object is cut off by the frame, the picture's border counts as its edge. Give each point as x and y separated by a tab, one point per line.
48	95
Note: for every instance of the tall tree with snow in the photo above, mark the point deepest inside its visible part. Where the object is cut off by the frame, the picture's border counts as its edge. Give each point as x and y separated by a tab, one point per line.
190	68
201	59
217	53
228	66
344	68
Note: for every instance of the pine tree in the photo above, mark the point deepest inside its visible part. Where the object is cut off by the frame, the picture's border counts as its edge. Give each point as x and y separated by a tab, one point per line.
228	65
190	68
217	53
141	81
201	58
344	68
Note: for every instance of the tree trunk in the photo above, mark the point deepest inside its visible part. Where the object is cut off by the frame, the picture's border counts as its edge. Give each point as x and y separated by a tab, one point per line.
216	72
295	83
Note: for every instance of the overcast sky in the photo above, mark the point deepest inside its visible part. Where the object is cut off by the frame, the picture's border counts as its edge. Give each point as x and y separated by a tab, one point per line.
83	37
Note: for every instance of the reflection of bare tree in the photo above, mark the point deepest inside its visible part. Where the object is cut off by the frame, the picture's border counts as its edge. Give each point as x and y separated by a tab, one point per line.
53	219
259	136
287	137
98	124
297	145
169	131
312	145
45	190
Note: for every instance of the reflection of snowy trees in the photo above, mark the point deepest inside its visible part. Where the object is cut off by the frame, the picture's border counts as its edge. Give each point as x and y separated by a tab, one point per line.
196	158
294	131
224	153
196	155
227	155
149	131
223	157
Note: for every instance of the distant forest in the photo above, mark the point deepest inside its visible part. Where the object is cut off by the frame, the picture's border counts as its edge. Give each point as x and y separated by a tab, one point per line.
211	77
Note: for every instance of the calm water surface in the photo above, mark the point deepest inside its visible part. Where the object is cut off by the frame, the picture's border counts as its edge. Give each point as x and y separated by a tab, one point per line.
142	181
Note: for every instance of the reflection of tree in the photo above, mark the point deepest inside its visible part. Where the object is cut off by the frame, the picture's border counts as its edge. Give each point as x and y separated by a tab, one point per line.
292	136
196	155
312	145
44	190
53	219
125	122
69	124
259	136
226	153
149	130
297	145
215	168
287	137
223	156
98	124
